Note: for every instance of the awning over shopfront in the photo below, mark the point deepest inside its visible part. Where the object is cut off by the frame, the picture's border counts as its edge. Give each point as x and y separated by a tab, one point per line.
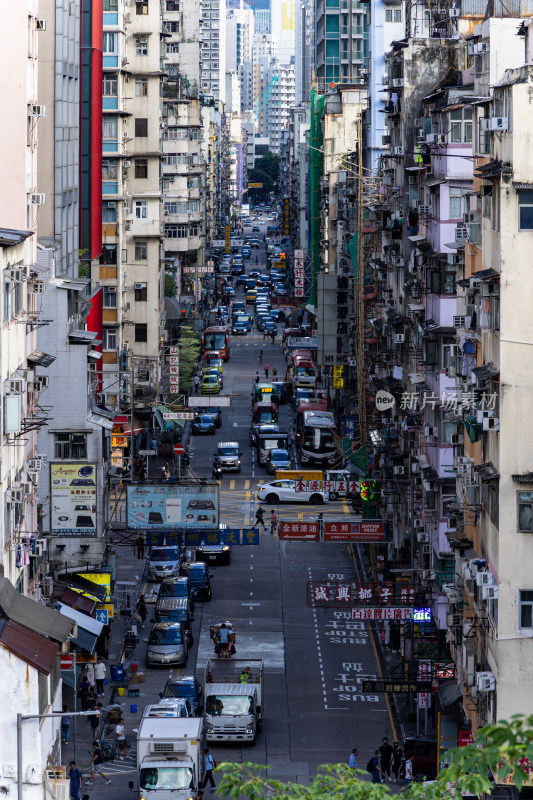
35	616
448	693
78	601
88	629
32	648
95	591
124	421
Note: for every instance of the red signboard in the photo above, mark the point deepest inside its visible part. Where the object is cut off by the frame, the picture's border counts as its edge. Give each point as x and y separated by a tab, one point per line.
337	593
466	738
354	531
299	530
179	449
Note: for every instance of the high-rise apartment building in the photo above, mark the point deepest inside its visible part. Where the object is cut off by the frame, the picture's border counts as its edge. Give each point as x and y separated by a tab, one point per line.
304	49
262	16
239	33
277	110
340	42
213	37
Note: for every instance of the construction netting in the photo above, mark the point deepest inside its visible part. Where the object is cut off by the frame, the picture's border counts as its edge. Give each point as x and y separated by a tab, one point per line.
316	161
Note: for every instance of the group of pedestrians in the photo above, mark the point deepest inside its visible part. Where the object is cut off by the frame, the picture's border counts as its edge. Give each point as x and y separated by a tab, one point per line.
386	760
260	520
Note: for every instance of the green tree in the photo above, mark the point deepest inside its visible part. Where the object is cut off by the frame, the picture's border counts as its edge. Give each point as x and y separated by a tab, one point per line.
270	164
189	344
170	285
500	749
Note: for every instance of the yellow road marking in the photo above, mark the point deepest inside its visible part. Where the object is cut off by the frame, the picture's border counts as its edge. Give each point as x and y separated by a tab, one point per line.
232	485
345	509
248	495
247	486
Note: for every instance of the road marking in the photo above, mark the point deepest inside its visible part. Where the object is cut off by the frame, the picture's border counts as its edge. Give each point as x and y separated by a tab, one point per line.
247	485
250	604
345	509
232	485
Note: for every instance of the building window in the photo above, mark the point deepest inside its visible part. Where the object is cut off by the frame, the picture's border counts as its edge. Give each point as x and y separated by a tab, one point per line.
141	126
141	45
109	339
110	86
141	167
110	44
173	5
461	125
526	608
109	169
173	47
110	128
141	87
110	5
141	7
109	212
70	445
525	511
110	297
141	292
141	209
456	202
141	332
109	254
193	230
525	211
141	251
176	231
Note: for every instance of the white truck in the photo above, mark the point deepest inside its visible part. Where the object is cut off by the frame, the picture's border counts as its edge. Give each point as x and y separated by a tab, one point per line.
233	701
169	756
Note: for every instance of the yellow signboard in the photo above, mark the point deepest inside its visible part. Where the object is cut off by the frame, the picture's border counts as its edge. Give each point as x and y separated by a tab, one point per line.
279	264
228	238
109	607
338	380
255	185
85	658
102	578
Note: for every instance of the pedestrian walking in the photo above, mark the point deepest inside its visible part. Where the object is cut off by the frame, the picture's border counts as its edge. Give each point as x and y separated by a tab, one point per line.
91	699
75	781
273	336
100	674
83	692
155	444
264	335
94	721
66	722
97	764
141	609
397	755
259	519
209	766
378	776
273	522
122	742
196	383
293	438
266	368
257	378
352	759
139	545
409	778
274	373
165	474
386	756
260	356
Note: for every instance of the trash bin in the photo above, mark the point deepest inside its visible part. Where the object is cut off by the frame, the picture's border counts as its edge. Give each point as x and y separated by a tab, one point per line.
117	672
133	709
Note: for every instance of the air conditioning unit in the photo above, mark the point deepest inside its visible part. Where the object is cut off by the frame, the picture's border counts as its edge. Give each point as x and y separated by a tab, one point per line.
35	464
423	537
485	682
17	387
385	140
468	218
413	180
431	430
397	83
398	338
422	209
27	487
485	579
37	287
454	620
127	19
48	586
461	322
37	199
16	495
436	138
427	575
481	47
398	151
36	111
489	592
491	424
92	366
40	24
457	438
16	275
498	124
40	547
399	471
454	13
461	233
454	258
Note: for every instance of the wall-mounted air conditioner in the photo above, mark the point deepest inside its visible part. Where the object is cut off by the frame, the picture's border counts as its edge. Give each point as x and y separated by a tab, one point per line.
485	681
431	430
38	199
457	438
399	471
491	424
399	338
398	151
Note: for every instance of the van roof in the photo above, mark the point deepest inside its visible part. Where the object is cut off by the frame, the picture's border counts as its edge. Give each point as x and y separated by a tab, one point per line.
173	603
227	444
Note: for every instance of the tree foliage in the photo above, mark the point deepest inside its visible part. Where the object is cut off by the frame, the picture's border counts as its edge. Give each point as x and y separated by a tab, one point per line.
500	750
189	344
265	171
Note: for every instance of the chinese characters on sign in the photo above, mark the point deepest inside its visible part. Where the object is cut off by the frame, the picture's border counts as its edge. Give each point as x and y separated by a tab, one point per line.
448	401
299	273
174	370
382	613
338	380
466	738
422	615
286	216
298	530
354	531
390	687
335	593
340	487
227	239
231	536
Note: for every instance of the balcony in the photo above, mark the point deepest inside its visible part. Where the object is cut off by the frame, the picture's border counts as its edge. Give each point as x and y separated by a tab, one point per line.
145	227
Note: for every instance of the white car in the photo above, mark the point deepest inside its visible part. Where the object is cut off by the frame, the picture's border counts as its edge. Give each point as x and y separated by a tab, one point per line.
284	491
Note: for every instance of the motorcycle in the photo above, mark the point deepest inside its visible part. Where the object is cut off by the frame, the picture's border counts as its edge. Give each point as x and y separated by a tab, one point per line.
217	471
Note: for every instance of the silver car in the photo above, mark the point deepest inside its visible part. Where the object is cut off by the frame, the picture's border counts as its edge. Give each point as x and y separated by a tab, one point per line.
164	562
167	644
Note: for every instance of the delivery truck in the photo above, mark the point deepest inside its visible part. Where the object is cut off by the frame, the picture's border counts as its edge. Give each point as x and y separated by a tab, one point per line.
169	755
233	699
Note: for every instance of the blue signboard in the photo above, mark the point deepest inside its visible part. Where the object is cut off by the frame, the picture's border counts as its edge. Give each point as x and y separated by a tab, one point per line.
102	615
231	536
170	506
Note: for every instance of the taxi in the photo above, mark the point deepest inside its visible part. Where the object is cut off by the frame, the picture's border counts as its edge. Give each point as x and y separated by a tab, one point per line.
210	384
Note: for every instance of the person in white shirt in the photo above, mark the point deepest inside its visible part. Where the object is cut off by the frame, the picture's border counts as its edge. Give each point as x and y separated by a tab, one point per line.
408	772
100	674
122	742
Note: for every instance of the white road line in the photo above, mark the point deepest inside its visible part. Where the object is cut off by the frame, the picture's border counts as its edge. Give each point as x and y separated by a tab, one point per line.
318	649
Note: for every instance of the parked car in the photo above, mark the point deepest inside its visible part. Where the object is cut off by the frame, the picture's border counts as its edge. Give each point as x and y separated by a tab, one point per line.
203	424
176	609
278	459
178	587
199	578
170	707
284	491
167	644
164	562
187	687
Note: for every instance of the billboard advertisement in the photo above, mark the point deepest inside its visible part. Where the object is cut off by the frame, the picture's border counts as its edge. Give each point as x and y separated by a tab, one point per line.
72	499
166	507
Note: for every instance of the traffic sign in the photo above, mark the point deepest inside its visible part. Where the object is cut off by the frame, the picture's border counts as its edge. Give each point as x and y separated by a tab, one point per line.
66	662
147	452
179	449
172	415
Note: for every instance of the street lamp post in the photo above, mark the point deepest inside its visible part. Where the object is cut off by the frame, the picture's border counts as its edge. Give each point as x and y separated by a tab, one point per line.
22	718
